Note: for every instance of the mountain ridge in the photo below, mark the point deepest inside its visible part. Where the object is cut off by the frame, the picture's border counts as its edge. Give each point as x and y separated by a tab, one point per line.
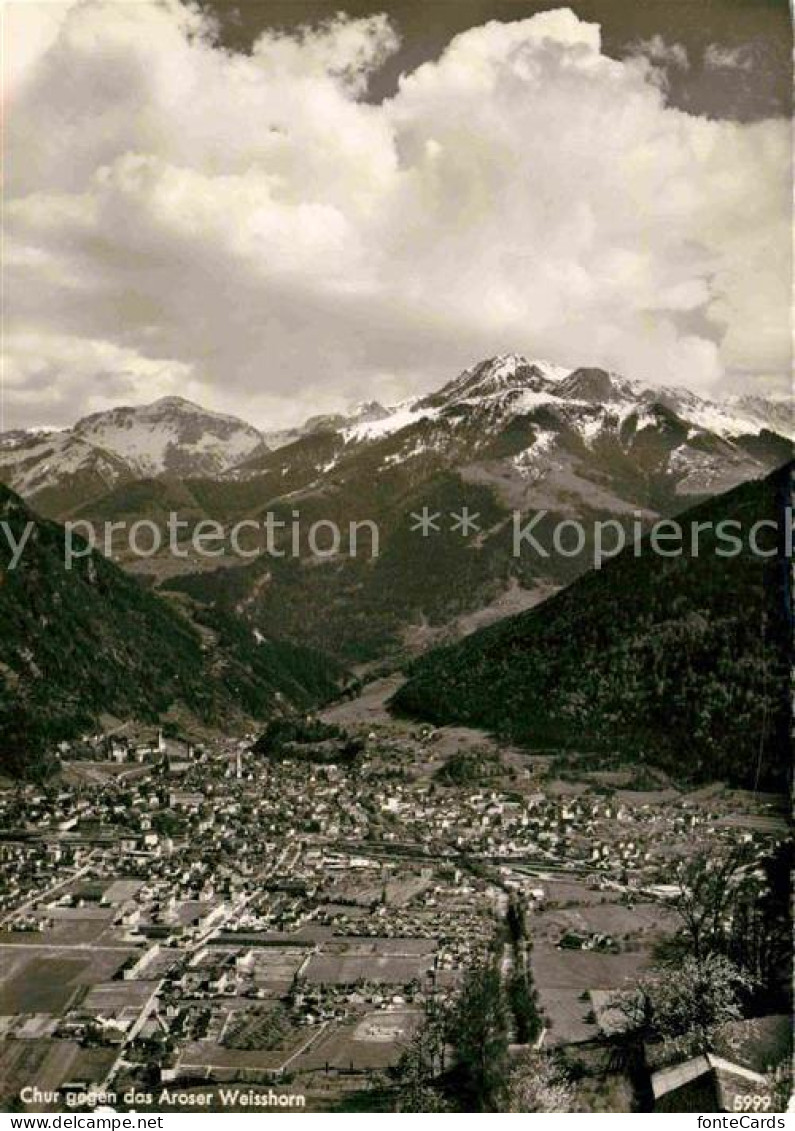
170	436
507	435
175	437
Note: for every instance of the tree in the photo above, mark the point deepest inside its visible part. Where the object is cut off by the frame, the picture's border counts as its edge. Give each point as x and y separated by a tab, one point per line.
738	905
708	887
760	934
420	1064
479	1030
25	745
686	1004
536	1084
516	920
524	1003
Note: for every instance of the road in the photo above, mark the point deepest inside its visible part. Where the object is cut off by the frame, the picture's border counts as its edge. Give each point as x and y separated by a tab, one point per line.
146	1010
24	945
39	896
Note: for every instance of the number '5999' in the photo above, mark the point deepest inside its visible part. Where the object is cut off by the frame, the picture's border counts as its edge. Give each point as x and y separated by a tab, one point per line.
751	1103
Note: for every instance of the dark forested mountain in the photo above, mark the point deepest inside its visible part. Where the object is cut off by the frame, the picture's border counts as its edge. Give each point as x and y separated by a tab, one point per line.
90	640
682	662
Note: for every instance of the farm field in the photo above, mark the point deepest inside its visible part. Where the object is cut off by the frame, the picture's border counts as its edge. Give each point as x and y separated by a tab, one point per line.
274	968
637	925
227	1062
40	978
81	925
48	1064
344	970
117	999
563	978
33	982
374	1041
87	926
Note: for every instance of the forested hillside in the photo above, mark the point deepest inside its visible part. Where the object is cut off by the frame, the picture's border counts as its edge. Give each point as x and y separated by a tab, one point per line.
682	662
90	640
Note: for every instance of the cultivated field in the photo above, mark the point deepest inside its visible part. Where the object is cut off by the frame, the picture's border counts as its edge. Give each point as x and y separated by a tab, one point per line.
563	978
345	970
374	1042
121	1000
210	1057
39	978
33	982
48	1064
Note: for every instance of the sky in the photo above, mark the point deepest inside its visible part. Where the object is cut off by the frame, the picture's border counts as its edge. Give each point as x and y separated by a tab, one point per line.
276	208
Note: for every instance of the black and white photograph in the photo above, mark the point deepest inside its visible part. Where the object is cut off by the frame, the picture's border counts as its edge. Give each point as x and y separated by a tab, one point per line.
396	583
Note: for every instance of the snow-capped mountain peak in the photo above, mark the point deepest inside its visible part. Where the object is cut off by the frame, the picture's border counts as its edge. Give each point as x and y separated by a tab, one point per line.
171	436
544	422
597	386
496	376
178	403
34	462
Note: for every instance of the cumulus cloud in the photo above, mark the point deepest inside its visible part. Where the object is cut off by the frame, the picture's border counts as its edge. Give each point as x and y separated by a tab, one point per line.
249	231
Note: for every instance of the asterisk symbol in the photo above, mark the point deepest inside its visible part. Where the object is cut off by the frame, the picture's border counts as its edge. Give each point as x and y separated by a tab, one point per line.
465	522
425	521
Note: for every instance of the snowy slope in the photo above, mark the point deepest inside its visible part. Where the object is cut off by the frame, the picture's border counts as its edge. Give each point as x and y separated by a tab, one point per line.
34	462
517	423
171	436
510	385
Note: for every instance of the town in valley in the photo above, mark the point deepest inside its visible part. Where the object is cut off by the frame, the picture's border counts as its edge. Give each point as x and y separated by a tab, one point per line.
192	922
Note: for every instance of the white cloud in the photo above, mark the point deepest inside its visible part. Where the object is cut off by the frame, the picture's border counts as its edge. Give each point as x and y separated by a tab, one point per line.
728	58
57	371
662	53
248	228
29	30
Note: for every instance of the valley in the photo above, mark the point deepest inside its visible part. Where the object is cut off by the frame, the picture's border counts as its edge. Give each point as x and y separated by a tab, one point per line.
303	809
397	595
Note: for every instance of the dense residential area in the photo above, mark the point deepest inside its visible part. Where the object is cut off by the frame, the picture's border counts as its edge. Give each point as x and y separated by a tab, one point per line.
340	912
